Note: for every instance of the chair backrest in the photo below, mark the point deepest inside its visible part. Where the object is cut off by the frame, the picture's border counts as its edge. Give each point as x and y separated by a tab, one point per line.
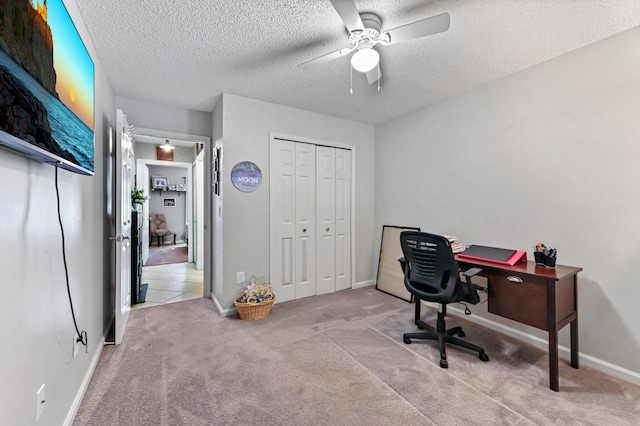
157	221
430	270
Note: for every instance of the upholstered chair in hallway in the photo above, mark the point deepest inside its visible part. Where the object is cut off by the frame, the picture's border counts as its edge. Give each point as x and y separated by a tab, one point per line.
158	228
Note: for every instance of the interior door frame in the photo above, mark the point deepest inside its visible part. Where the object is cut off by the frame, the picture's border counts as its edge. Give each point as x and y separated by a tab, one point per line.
142	165
198	208
208	218
322	142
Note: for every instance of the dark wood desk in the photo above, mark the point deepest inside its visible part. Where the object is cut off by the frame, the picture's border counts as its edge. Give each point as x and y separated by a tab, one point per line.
545	298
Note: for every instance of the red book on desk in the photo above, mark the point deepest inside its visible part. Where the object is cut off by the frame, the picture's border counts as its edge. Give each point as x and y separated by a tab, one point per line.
494	255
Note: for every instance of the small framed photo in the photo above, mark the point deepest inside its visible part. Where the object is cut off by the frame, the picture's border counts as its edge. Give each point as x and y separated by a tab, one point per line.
168	202
158	182
164	154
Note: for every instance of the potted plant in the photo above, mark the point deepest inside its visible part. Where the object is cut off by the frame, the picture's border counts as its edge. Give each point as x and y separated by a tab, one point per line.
256	301
138	198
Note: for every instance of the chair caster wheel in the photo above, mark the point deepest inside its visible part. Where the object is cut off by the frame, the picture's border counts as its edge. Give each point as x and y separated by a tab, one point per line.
444	363
483	357
461	333
407	341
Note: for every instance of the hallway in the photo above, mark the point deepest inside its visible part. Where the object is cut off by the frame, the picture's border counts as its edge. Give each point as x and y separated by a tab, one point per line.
170	283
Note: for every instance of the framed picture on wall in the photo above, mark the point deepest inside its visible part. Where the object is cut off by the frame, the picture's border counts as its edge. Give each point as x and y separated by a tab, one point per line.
158	182
164	154
168	202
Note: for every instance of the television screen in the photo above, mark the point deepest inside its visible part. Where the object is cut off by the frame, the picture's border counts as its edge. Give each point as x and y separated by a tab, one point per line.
46	85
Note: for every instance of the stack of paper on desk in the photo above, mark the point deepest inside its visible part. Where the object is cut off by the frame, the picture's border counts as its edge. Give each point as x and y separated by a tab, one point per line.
455	246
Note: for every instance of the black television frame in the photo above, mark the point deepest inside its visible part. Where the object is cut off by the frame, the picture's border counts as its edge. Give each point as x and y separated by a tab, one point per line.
22	147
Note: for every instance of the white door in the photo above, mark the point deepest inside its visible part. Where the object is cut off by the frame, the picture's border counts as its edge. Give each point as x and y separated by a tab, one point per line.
305	200
198	211
123	172
343	219
325	219
292	223
142	182
310	219
282	219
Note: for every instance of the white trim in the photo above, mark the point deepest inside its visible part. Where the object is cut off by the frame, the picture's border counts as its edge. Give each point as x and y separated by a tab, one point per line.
77	401
141	163
350	147
222	311
321	142
173	135
361	284
563	351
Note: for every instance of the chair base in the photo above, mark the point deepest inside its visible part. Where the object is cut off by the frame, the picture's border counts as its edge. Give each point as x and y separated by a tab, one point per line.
443	336
160	238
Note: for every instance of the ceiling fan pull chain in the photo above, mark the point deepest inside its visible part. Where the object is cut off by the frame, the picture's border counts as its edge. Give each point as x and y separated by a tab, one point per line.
378	76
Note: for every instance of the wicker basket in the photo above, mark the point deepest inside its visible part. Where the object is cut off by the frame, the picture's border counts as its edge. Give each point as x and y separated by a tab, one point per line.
253	311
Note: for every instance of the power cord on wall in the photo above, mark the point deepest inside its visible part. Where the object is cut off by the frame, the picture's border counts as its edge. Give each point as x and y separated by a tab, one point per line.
82	335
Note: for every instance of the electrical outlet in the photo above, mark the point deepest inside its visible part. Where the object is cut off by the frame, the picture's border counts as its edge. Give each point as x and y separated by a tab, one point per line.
76	345
41	399
240	277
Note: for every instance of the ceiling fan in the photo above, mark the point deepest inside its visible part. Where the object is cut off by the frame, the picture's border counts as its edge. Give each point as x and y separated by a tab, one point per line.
364	34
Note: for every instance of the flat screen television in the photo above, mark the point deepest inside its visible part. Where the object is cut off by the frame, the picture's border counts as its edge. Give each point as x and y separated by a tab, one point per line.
46	85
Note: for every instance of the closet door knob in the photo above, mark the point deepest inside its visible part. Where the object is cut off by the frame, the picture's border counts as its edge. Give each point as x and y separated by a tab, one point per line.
327	229
304	229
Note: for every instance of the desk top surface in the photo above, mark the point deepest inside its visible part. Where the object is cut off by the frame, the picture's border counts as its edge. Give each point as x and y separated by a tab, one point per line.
529	267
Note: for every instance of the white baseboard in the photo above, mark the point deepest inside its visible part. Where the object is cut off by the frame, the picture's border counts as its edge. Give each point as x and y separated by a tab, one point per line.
563	351
233	311
75	406
222	311
364	284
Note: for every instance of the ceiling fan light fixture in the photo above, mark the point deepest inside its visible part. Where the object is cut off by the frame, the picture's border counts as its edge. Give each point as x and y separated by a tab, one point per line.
167	146
364	60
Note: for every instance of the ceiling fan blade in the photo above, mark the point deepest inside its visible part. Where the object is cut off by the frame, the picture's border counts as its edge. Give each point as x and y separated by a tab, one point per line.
325	58
434	25
349	14
373	76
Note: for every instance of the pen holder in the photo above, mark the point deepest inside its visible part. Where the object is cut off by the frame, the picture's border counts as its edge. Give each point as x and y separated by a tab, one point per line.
544	260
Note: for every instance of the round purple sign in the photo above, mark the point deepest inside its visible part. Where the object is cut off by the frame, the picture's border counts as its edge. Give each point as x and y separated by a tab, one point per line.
246	176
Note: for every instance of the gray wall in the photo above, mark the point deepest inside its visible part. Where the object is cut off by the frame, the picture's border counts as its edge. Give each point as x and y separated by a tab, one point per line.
245	136
549	154
37	328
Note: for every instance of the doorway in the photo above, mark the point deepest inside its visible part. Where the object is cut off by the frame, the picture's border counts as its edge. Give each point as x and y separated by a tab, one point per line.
173	266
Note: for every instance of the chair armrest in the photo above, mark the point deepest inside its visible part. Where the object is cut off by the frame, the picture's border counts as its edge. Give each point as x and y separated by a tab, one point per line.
471	272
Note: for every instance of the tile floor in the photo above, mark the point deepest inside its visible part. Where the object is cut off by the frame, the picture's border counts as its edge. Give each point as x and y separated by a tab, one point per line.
170	283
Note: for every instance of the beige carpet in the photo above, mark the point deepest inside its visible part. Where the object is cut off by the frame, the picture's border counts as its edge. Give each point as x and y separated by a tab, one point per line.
335	359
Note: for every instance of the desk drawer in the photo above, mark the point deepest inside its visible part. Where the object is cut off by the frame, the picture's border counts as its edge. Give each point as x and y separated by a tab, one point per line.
524	301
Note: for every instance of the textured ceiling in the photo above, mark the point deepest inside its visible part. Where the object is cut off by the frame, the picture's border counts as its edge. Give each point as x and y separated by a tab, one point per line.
187	53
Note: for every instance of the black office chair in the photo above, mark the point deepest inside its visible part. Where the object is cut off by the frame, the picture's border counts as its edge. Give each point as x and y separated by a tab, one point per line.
431	273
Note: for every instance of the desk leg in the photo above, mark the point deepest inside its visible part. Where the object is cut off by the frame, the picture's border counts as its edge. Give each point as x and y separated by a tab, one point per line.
552	325
574	326
574	343
553	360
